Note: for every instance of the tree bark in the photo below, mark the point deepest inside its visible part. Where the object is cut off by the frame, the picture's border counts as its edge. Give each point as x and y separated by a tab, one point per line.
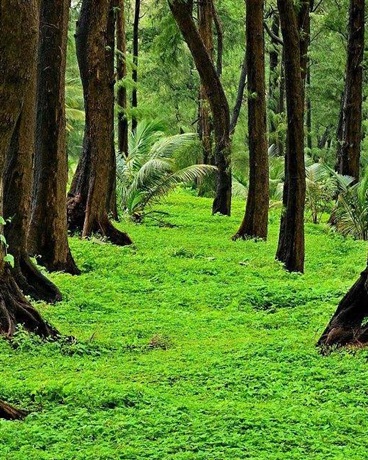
121	70
349	152
18	30
90	193
135	61
255	222
9	412
181	11
205	20
346	326
48	238
290	249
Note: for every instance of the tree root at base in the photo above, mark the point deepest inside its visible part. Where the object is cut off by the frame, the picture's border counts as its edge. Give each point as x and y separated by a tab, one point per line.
16	310
9	412
32	282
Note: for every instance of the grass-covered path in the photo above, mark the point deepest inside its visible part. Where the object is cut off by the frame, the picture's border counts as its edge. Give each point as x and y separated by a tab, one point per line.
191	346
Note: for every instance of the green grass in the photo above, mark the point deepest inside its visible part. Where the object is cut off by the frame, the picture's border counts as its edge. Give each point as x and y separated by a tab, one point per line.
191	346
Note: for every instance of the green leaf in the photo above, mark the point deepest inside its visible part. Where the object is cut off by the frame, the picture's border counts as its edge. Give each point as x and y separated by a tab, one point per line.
9	259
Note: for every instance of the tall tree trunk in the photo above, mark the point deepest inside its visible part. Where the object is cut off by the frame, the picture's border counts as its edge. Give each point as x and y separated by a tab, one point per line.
274	85
17	200
121	70
90	192
239	95
135	61
346	326
205	20
349	153
290	249
309	111
255	221
48	238
181	11
220	39
18	30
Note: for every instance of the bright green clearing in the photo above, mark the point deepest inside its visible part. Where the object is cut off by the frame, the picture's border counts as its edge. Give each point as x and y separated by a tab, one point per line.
192	346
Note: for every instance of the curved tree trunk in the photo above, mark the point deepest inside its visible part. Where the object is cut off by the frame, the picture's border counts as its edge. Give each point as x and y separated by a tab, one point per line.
351	128
48	239
181	11
17	198
90	193
346	326
255	222
18	29
290	249
205	19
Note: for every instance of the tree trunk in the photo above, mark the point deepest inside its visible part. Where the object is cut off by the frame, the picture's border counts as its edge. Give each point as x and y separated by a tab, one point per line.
220	39
347	324
121	70
205	20
90	193
181	11
18	30
9	412
349	153
135	62
239	95
255	221
290	249
48	238
274	92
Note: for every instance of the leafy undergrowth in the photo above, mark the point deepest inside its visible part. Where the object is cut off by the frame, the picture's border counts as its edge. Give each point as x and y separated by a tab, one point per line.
191	346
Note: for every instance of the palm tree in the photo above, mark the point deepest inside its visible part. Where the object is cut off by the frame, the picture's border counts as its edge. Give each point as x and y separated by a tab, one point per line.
151	168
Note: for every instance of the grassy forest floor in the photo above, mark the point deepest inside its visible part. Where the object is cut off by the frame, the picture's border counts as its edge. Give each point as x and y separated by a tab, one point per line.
191	346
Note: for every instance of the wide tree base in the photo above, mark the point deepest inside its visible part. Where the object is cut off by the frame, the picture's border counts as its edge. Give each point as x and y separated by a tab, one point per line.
348	325
78	222
105	228
32	282
9	412
67	266
16	310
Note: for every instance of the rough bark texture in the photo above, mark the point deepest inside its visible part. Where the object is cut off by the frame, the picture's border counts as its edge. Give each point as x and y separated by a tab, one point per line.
290	249
216	96
18	29
135	61
255	222
347	324
351	132
90	193
48	238
9	412
121	71
17	199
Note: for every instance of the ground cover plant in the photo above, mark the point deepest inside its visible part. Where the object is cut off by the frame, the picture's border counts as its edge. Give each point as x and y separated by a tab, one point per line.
191	346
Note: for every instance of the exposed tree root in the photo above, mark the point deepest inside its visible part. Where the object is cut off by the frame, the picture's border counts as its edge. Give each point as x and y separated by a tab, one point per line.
15	309
9	412
33	283
115	236
68	266
347	324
